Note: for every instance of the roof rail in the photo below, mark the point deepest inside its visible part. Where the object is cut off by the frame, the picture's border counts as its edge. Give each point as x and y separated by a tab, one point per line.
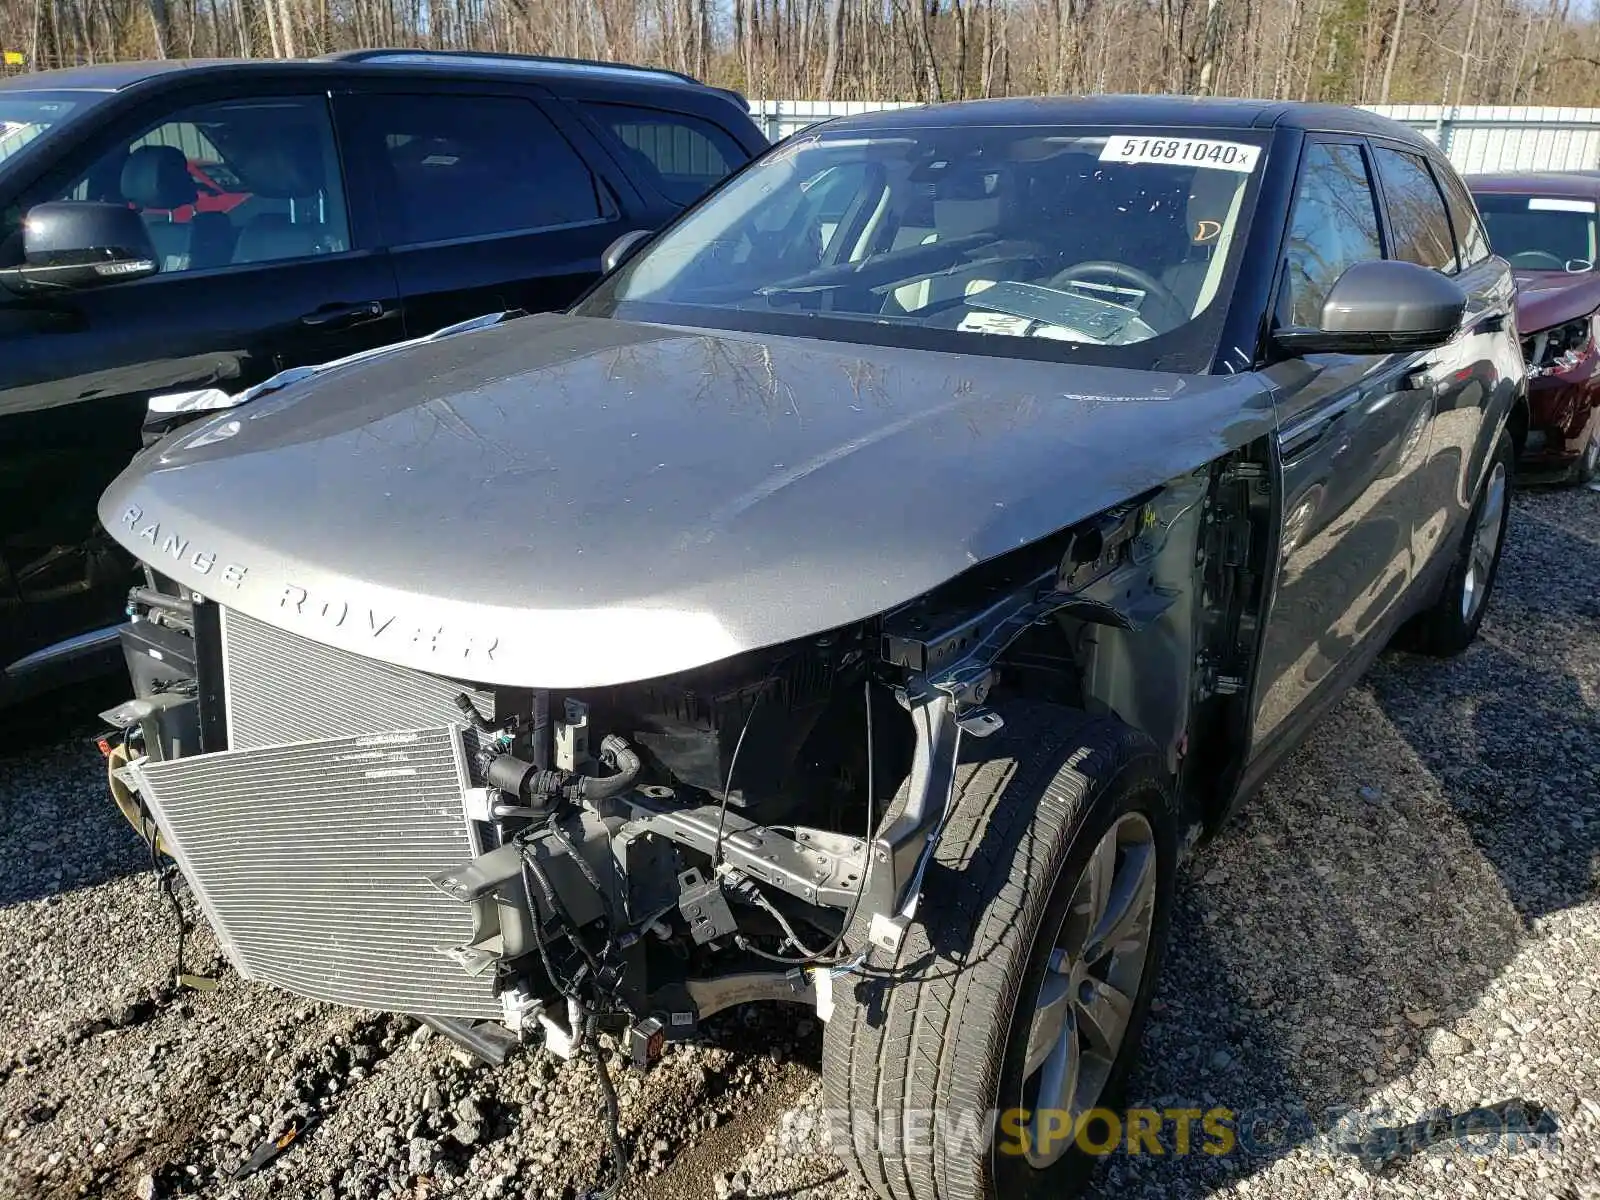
496	57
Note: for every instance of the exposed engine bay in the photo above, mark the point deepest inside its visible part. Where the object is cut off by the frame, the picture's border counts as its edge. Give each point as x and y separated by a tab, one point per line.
633	859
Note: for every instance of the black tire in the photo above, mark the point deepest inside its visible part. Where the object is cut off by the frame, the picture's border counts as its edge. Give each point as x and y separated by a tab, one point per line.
1588	469
1448	627
936	1030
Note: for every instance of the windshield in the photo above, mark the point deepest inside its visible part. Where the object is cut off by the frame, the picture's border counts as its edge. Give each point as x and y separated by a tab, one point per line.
1540	233
25	115
1050	242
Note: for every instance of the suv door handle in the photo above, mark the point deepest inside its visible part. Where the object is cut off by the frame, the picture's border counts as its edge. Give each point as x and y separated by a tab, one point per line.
333	316
1419	377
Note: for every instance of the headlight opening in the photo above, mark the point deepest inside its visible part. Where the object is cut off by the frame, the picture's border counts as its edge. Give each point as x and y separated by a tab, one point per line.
1561	348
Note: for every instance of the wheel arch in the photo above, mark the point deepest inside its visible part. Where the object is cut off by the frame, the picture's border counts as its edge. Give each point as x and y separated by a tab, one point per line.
1155	617
1517	422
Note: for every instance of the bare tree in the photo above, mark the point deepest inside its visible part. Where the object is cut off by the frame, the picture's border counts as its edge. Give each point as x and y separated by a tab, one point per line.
1457	51
830	65
1395	35
1466	56
1211	45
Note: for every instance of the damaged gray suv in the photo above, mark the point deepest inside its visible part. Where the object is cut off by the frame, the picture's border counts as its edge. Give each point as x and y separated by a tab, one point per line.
859	600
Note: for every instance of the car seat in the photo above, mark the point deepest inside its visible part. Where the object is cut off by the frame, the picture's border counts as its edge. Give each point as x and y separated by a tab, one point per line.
1209	212
1150	221
1067	210
157	177
287	169
952	216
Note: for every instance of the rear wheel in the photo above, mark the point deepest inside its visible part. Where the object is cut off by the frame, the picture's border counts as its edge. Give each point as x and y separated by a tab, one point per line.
1449	626
1588	471
961	1068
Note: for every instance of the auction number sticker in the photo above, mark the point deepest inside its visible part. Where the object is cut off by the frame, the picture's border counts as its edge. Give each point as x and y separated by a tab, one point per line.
1192	152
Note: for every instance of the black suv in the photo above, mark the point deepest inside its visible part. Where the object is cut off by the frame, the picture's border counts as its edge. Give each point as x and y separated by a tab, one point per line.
210	224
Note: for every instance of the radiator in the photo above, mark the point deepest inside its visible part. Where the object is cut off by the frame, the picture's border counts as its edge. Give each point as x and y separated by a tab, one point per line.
280	688
309	861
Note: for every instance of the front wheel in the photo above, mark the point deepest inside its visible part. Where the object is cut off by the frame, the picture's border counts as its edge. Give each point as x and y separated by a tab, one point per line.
1448	627
965	1067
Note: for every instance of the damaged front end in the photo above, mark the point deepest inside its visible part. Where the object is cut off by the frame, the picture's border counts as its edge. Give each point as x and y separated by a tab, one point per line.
504	861
375	836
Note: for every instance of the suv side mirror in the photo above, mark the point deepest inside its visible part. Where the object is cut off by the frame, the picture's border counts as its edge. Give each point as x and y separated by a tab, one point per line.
1381	307
621	250
72	244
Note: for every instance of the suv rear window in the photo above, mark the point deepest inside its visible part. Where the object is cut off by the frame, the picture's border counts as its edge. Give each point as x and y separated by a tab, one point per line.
682	156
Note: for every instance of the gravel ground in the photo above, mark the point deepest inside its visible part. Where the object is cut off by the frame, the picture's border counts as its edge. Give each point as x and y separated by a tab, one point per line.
1406	919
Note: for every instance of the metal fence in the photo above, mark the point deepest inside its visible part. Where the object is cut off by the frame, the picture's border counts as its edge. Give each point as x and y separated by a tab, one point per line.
1475	137
1486	137
780	118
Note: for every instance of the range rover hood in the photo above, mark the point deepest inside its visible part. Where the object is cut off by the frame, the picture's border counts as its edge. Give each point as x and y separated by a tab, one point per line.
576	502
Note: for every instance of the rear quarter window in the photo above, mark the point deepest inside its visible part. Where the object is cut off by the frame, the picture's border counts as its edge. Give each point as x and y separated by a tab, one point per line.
680	155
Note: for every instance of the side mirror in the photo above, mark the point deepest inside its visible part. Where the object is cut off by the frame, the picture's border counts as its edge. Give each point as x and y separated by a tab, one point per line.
621	250
72	244
1381	307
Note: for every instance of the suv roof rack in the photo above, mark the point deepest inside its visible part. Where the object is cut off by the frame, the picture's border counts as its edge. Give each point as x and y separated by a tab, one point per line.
424	57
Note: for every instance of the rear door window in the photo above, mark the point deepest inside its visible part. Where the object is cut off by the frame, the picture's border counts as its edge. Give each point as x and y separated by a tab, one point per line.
452	166
680	155
1418	220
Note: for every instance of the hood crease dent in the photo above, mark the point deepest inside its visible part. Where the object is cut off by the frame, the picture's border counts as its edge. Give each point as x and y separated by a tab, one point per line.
574	502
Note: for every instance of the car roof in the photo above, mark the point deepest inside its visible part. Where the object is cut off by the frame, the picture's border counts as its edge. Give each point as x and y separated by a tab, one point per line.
1170	111
101	77
1582	184
115	77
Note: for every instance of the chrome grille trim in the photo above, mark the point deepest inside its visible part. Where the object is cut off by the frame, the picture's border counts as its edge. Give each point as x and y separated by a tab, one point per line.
281	687
309	860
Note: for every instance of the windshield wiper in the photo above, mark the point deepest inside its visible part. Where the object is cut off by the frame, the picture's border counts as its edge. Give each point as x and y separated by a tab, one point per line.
778	291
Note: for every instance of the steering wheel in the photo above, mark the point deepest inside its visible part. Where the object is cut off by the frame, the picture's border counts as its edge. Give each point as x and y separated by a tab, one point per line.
1123	273
1538	260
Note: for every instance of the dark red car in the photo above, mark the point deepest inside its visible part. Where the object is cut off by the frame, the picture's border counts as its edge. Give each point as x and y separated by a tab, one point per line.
1548	227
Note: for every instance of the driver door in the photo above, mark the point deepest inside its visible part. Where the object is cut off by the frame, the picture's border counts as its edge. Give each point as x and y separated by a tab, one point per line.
273	282
1353	444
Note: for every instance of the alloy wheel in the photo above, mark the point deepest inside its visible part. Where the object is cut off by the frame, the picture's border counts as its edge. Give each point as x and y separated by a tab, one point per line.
1097	963
1485	542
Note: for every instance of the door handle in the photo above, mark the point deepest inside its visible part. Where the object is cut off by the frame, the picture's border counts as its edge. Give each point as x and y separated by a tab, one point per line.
1417	378
334	316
